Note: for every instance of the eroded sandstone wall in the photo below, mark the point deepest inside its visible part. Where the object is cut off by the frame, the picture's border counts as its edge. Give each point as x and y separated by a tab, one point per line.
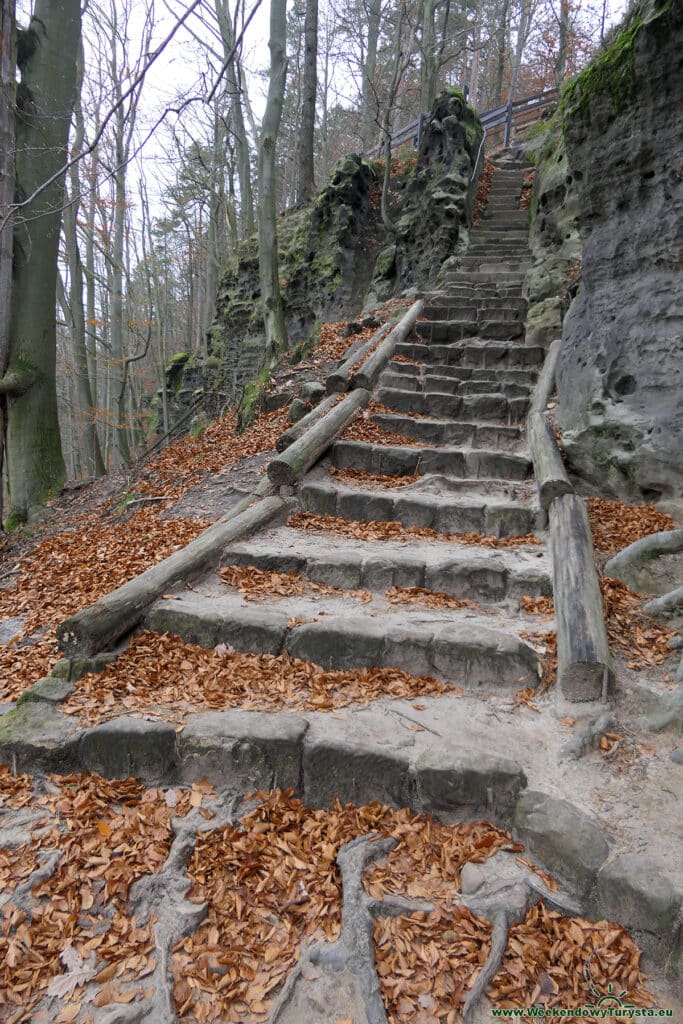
620	373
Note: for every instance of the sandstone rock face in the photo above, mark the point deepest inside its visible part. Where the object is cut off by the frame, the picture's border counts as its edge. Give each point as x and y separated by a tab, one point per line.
620	371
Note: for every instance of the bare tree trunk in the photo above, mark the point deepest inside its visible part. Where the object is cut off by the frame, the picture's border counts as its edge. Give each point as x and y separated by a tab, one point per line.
305	167
234	80
476	56
388	114
522	34
35	460
563	45
7	112
271	299
84	405
428	67
368	100
502	38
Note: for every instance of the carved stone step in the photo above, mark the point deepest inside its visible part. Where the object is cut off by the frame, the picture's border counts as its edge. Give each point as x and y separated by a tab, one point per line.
394	460
452	385
455	647
461	570
477	507
438	431
493	406
463	354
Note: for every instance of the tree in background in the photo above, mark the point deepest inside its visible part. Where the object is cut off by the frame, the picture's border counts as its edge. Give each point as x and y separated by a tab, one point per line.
46	55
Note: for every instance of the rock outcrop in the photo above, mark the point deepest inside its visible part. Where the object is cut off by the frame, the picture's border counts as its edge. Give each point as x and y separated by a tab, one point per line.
621	366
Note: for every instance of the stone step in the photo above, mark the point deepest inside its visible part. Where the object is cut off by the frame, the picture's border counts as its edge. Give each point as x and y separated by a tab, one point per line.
500	374
476	277
461	570
498	249
494	406
452	385
464	354
467	308
479	293
501	266
478	506
454	646
456	330
395	460
443	432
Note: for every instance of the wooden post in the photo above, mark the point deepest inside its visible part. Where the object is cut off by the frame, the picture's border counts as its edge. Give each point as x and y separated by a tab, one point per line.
366	377
584	669
300	456
339	380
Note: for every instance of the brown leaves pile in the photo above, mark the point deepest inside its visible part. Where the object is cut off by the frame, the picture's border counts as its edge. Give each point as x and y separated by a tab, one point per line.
259	584
546	645
638	636
616	525
406	359
527	189
351	475
483	189
364	428
272	883
428	598
537	605
558	961
108	834
70	570
164	676
391	529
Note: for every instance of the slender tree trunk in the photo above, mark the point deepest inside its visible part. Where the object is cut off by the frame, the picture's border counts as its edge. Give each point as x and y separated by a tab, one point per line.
84	404
476	56
233	76
522	33
305	166
35	460
369	100
563	45
387	121
428	67
502	38
271	299
7	113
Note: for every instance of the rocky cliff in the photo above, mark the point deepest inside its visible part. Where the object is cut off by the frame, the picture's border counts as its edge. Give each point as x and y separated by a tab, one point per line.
620	374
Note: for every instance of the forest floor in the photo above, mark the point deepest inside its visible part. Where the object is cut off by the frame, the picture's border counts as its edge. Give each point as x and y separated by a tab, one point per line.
106	837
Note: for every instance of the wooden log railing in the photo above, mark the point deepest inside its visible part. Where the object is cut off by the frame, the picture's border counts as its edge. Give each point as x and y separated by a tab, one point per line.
584	664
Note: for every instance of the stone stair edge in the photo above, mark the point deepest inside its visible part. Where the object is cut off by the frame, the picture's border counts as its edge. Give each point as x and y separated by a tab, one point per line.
321	758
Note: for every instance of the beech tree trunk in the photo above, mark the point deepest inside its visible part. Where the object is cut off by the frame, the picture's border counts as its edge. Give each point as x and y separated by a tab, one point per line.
35	460
369	99
7	101
429	65
271	299
305	167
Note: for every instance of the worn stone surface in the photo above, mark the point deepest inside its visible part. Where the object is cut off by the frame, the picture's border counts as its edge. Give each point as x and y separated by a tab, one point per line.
633	892
620	371
243	750
471	783
356	759
563	838
130	746
35	736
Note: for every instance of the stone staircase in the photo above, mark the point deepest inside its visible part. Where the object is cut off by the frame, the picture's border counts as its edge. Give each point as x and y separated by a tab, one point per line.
460	405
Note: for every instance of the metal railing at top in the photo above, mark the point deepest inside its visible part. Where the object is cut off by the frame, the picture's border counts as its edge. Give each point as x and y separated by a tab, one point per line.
506	115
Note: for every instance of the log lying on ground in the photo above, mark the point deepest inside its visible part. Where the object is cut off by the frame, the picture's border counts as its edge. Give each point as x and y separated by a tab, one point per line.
584	664
367	375
291	465
545	382
294	432
551	476
631	564
101	624
339	380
